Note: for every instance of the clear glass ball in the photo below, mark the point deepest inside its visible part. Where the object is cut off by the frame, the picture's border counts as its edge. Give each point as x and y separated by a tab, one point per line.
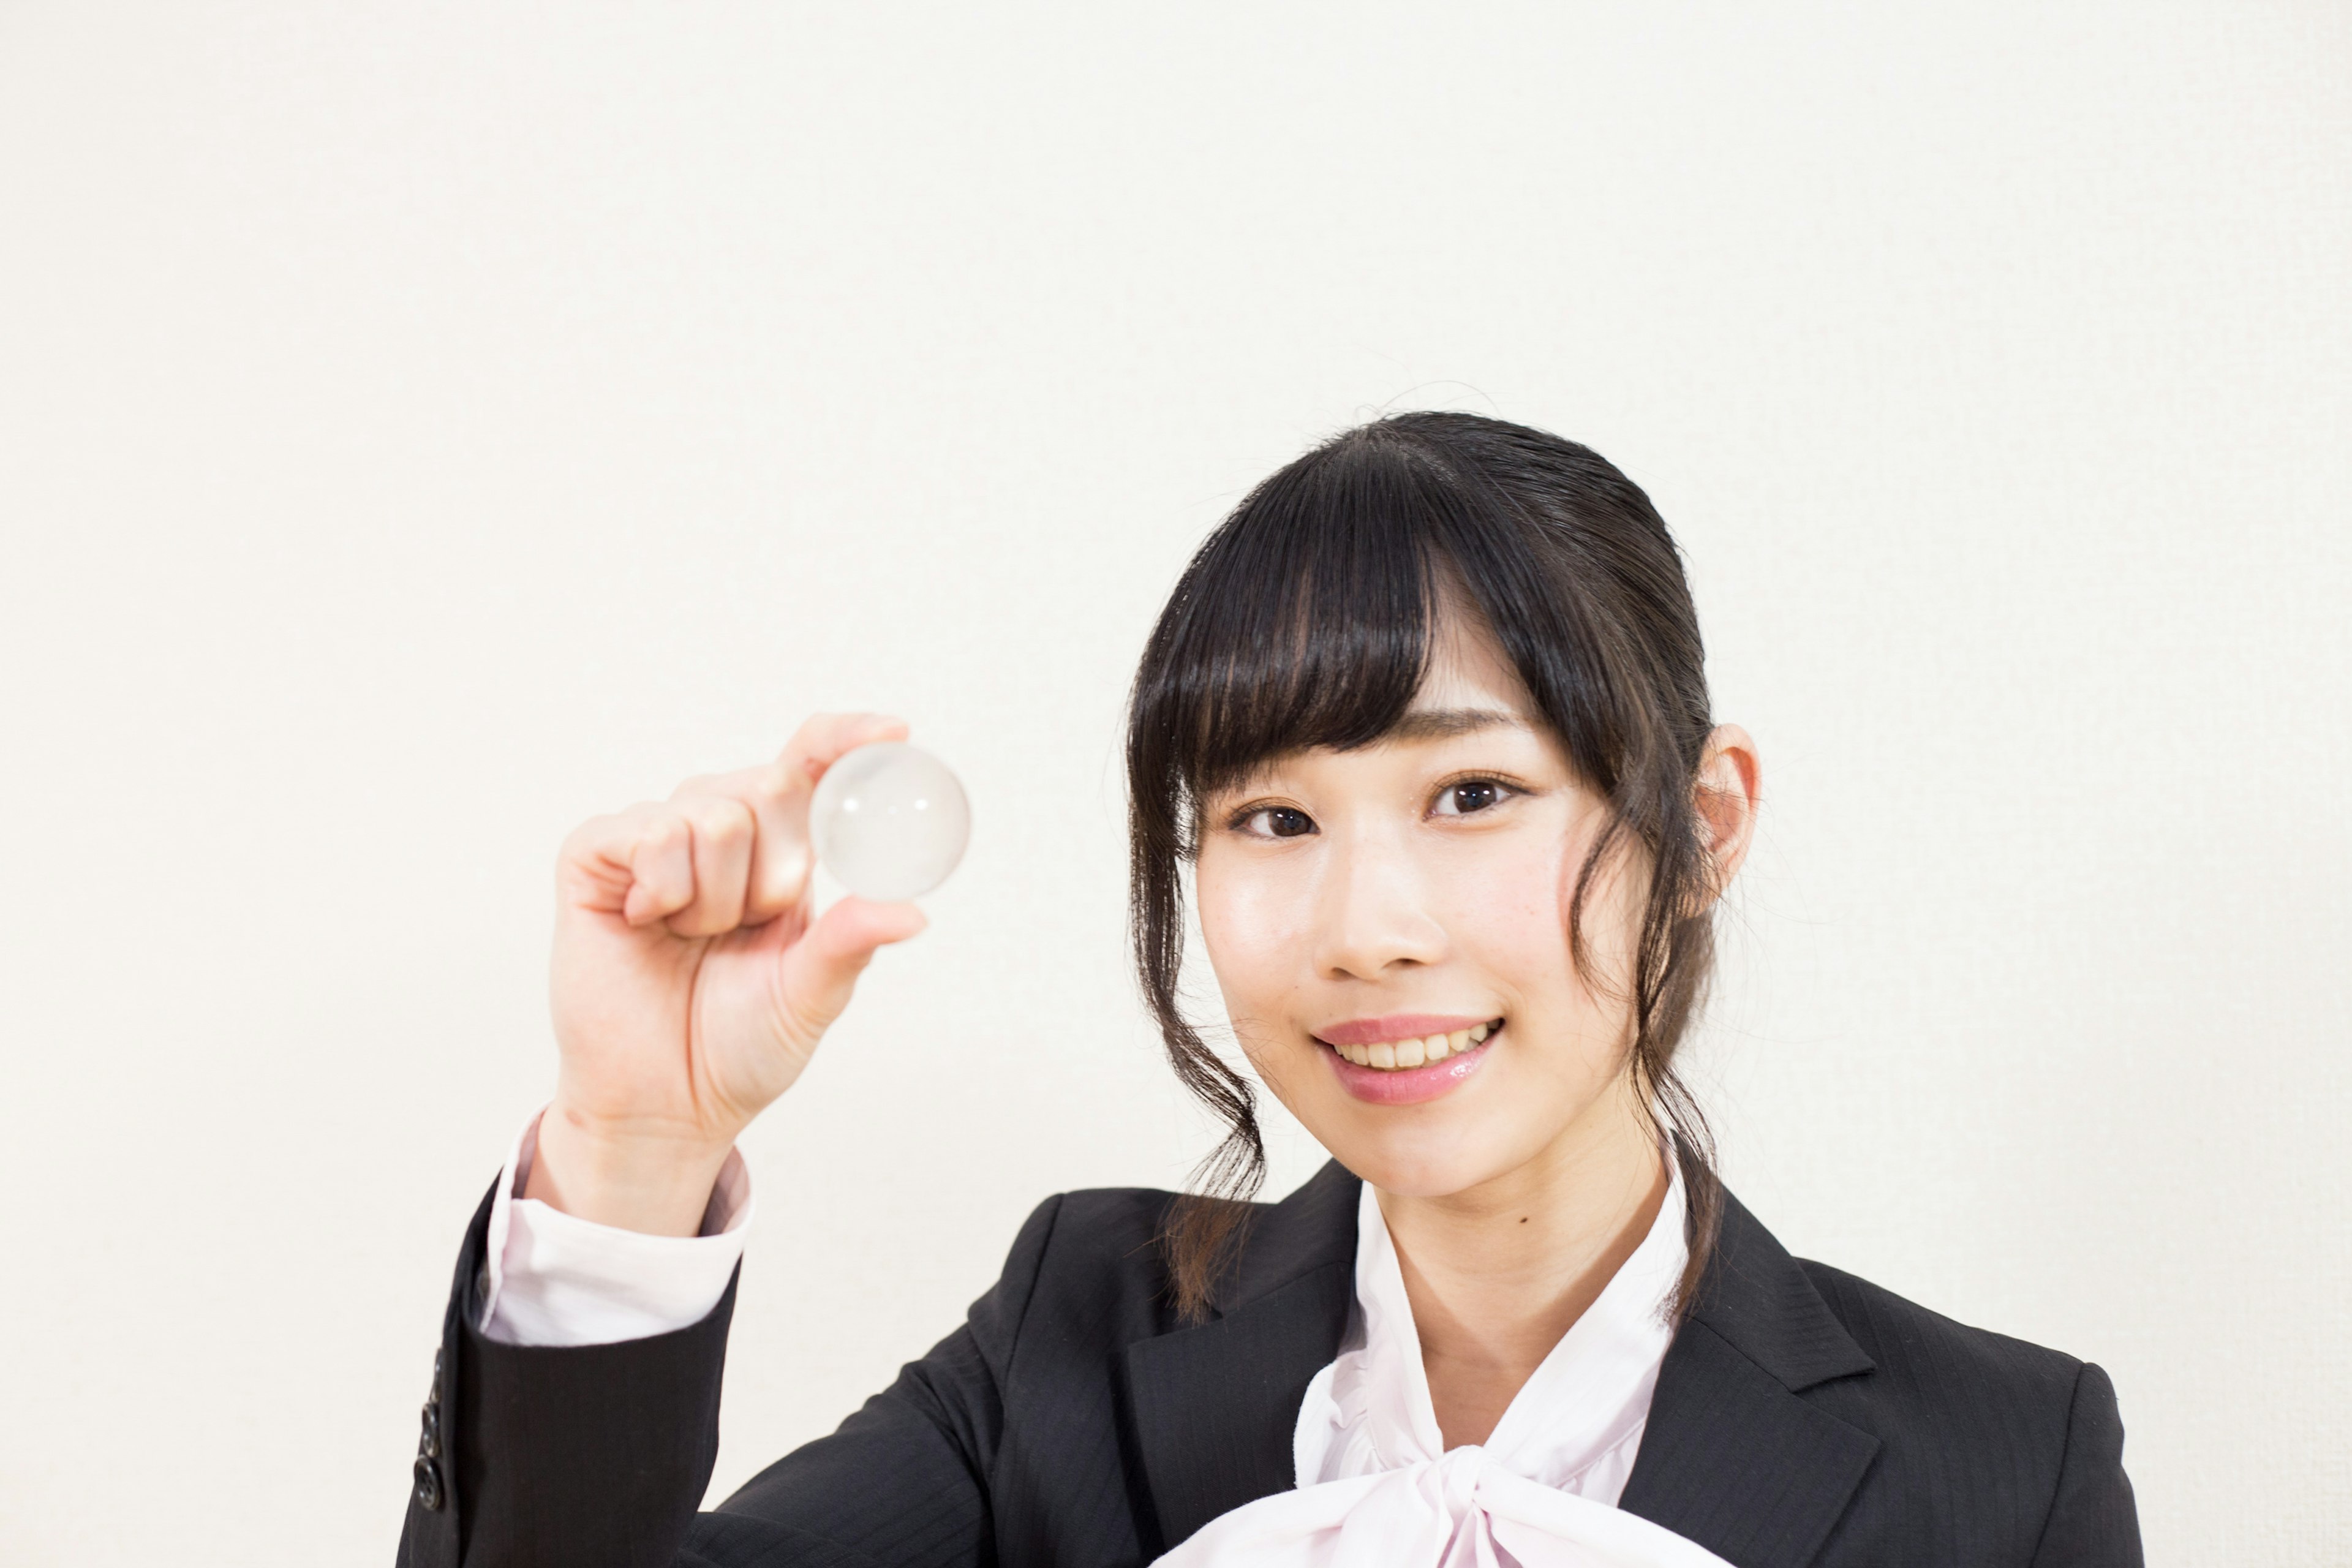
890	821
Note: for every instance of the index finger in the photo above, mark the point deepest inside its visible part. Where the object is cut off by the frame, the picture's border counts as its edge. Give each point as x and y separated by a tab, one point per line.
778	794
816	744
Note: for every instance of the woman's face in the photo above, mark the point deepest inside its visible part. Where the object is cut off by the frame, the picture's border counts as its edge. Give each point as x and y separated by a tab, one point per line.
1369	910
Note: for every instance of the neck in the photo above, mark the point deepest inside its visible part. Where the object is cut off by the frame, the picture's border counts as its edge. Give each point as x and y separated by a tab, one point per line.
1497	1273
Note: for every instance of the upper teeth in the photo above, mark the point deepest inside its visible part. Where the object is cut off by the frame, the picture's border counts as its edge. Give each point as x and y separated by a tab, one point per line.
1414	1053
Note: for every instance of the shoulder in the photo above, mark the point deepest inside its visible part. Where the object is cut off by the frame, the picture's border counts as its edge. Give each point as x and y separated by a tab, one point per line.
1992	1449
1926	1355
1840	1339
1088	1264
1095	1234
1998	1442
1085	1264
1102	1227
2031	1435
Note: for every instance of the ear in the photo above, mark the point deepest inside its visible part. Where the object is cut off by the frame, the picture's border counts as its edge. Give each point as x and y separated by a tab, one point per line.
1727	797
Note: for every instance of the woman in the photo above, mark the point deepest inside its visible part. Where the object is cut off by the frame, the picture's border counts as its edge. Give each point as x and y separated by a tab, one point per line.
1427	719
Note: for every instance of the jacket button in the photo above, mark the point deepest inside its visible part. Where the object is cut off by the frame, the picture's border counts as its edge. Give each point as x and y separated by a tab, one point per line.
429	1445
428	1484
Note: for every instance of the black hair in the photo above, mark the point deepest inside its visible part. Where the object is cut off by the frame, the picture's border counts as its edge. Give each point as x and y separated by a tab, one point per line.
1307	620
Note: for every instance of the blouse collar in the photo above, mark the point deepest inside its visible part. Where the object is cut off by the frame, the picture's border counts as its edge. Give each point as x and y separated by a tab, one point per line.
1589	1397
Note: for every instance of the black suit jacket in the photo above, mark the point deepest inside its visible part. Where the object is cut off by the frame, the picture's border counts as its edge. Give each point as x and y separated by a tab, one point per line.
1802	1417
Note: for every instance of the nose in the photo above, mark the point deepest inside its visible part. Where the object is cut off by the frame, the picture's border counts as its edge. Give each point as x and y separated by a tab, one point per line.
1372	915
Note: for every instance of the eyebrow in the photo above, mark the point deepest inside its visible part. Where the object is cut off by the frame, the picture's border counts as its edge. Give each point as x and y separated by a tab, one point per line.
1444	723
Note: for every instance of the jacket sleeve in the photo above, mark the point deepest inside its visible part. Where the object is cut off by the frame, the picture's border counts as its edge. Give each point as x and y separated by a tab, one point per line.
599	1454
2092	1521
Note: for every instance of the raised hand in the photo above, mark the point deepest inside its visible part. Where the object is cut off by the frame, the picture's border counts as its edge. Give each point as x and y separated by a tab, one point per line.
689	985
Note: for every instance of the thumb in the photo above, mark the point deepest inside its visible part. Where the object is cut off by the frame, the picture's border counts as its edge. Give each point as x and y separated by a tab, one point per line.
821	970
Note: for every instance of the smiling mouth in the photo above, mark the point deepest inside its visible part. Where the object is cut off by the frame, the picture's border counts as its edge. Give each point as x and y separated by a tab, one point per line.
1399	1055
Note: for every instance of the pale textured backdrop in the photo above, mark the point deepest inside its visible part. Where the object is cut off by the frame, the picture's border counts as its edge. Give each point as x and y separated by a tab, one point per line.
423	426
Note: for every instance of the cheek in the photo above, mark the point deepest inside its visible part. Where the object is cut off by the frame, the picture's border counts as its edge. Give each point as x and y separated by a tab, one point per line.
1252	925
1509	917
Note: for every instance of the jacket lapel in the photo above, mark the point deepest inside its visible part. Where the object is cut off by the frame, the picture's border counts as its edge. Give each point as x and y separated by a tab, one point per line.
1215	1406
1732	1459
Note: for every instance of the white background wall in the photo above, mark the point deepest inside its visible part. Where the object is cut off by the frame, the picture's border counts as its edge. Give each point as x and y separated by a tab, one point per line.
423	426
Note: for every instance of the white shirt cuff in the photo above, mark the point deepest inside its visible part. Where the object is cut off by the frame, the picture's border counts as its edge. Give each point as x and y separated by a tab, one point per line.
553	1278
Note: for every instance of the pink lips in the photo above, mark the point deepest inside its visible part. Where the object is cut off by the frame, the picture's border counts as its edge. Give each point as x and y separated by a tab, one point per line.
1403	1086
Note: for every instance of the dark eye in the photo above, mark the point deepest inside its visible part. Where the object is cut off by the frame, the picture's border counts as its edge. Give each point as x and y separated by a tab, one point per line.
1475	795
1278	822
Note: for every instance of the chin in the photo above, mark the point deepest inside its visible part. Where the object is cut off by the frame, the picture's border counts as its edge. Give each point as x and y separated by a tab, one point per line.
1429	1160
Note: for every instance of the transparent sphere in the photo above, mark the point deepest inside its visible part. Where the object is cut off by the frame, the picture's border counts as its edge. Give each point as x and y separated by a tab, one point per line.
890	821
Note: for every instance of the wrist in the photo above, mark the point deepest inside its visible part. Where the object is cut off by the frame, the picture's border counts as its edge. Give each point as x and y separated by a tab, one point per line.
650	1181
